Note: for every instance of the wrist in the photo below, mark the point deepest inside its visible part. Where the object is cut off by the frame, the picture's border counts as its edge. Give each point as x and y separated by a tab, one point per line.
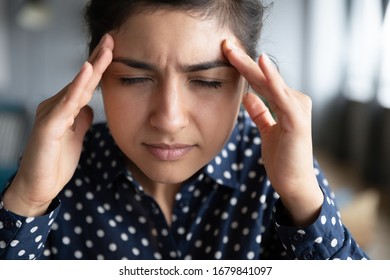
305	207
15	203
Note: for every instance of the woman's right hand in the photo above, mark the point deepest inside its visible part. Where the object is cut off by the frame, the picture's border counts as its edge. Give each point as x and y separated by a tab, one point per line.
53	150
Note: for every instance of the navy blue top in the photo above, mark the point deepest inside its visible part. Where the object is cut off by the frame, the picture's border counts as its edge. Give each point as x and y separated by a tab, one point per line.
228	210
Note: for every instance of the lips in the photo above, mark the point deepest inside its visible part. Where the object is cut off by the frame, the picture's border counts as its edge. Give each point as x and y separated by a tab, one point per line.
167	152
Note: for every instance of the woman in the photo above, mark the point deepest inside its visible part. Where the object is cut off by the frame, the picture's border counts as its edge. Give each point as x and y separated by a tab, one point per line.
179	170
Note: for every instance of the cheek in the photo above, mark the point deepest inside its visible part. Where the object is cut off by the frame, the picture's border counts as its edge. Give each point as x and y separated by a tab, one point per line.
219	116
121	109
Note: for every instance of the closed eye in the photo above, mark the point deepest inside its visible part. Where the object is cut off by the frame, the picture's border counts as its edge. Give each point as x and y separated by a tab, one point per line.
207	84
133	81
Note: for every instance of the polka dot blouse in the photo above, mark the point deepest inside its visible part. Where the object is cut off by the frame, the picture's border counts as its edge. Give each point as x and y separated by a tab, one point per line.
228	210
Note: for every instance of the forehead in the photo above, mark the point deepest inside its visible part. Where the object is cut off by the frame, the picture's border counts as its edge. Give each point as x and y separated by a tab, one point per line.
171	36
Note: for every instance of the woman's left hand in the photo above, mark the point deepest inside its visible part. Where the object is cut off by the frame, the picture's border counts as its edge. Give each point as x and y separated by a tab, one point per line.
287	151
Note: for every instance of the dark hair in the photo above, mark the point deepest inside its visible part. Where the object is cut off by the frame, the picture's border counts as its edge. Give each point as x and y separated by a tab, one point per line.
243	17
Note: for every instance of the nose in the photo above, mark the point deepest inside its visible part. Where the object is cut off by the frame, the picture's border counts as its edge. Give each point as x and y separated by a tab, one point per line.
170	113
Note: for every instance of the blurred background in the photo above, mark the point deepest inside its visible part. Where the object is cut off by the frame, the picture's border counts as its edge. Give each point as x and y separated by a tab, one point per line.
335	51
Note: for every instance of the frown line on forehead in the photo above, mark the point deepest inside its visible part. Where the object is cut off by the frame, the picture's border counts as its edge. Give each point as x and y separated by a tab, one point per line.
203	66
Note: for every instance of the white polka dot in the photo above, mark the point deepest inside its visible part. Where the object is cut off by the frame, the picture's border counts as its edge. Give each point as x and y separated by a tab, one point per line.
248	152
124	237
254	215
323	219
100	233
225	216
231	146
198	243
325	182
164	232
181	230
132	230
100	209
225	239
210	169
21	253
135	251
119	218
252	174
112	223
66	240
318	240
218	255
67	216
29	220
224	153
68	193
250	255
112	247
89	219
157	256
78	254
89	195
233	201
333	243
78	182
128	208
145	242
33	229
78	230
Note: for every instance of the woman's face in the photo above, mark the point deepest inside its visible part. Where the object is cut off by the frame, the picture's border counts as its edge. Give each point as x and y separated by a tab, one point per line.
170	95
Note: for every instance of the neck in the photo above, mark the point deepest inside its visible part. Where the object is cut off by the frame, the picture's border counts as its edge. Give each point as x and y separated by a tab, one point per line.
163	194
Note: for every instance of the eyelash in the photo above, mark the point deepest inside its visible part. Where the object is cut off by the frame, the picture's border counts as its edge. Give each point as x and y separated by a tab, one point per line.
133	81
201	83
208	84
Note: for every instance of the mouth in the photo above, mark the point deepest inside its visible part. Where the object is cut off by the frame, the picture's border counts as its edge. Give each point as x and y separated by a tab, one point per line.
167	152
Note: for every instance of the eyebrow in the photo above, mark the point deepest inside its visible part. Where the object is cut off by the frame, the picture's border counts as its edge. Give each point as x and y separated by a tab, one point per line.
186	68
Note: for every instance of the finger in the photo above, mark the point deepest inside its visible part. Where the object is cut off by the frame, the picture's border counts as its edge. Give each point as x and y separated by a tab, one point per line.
101	61
275	82
96	50
81	90
64	104
248	68
258	111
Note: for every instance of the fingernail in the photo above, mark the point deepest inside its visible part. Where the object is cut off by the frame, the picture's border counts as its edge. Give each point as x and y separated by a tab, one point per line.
266	58
231	45
102	39
235	48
